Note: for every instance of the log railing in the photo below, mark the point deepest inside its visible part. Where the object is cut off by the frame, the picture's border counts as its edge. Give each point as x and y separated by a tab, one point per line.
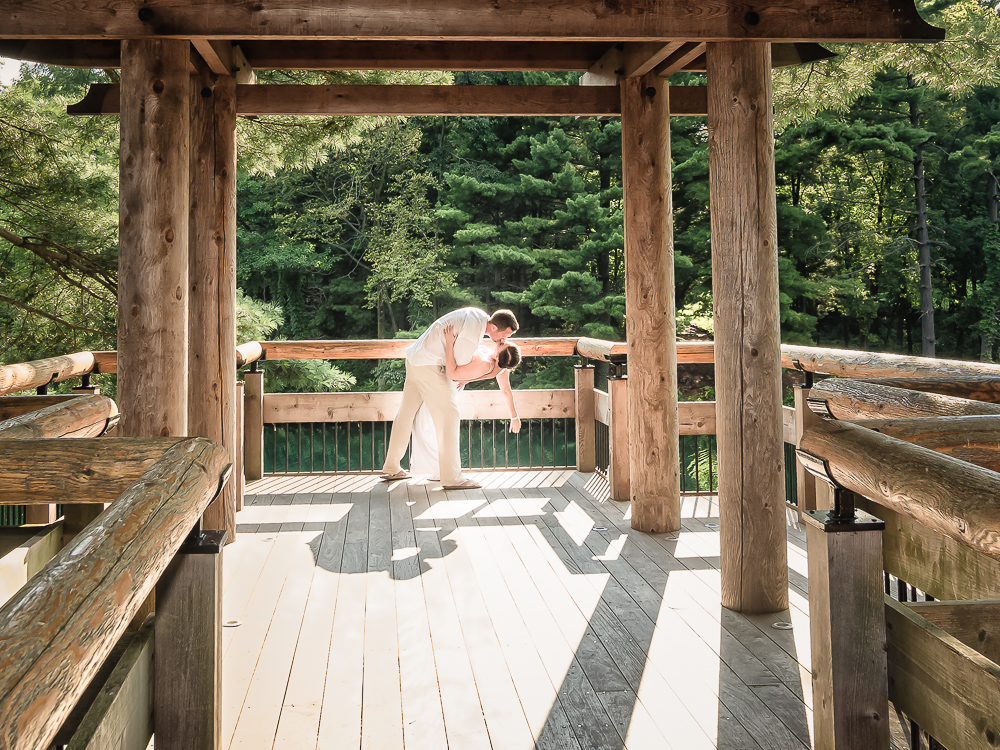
921	463
59	628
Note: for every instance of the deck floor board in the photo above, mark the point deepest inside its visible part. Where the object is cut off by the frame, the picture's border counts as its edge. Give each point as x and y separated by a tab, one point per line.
524	615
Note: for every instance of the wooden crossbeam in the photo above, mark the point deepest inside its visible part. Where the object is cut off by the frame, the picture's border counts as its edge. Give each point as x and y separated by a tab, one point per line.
514	20
626	61
555	101
682	56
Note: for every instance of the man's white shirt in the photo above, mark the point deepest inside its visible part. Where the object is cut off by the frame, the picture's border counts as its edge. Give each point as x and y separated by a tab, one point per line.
470	322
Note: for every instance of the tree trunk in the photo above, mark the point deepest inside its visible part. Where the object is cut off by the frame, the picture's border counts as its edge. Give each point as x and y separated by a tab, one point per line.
923	240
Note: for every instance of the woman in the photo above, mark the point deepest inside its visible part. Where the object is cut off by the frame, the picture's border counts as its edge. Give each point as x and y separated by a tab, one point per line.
488	362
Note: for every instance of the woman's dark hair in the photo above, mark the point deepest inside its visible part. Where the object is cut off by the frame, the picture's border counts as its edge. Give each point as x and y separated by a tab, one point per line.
509	357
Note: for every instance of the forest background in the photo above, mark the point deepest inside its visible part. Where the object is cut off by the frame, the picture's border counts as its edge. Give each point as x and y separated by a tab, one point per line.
887	163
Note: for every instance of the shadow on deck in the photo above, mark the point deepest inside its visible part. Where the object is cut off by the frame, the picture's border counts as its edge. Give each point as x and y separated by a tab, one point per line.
526	614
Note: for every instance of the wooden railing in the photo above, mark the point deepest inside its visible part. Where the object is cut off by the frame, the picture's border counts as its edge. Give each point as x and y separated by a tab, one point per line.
56	632
920	466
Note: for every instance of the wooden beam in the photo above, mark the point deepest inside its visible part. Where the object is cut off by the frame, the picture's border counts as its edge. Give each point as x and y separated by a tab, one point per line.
654	456
513	20
976	387
57	630
74	470
121	716
423	55
266	99
747	328
153	238
284	408
855	364
218	55
87	416
974	439
585	412
66	53
680	57
950	496
976	624
942	684
25	375
15	406
619	472
852	399
396	348
430	100
253	425
212	277
932	562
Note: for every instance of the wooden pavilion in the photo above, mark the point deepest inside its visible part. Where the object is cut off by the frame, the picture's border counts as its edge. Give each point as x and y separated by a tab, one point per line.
187	74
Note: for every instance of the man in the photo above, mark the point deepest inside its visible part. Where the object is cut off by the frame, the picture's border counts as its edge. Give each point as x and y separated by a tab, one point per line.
427	383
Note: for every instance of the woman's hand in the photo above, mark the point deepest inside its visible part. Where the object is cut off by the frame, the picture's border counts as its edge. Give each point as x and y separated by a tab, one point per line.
515	424
450	334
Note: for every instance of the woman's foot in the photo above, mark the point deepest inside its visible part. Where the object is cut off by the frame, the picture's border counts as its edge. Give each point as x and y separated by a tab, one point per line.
401	474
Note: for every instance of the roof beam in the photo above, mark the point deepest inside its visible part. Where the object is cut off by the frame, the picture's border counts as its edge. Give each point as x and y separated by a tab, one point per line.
553	101
626	61
683	55
514	20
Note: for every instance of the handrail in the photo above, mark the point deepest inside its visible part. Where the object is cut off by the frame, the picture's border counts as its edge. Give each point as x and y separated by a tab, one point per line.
58	629
249	352
41	372
83	417
853	399
974	439
855	364
605	351
975	387
942	493
75	470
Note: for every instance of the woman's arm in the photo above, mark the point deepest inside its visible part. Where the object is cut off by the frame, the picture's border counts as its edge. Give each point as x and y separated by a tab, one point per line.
471	371
503	380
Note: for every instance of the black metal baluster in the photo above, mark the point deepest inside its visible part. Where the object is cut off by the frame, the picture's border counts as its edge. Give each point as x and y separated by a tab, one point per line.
900	590
372	425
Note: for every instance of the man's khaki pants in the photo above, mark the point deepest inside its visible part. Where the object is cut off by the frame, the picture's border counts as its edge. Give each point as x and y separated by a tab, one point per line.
427	384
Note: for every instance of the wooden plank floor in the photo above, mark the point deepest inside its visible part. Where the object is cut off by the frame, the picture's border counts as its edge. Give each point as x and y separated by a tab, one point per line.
526	614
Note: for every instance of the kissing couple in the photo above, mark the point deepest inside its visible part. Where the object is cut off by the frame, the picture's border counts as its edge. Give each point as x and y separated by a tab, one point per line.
464	345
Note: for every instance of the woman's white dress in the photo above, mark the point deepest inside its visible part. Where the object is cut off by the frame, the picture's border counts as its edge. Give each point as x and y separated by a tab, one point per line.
424	445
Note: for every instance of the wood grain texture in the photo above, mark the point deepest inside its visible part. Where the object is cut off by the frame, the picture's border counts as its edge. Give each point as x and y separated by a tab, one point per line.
86	416
514	20
122	714
19	377
936	564
848	363
187	672
974	439
606	351
74	470
396	348
153	239
945	686
976	624
282	408
57	630
853	400
238	467
248	352
212	278
847	632
975	387
15	406
619	473
105	362
805	482
585	411
649	303
747	328
602	407
435	55
253	425
946	495
696	417
429	100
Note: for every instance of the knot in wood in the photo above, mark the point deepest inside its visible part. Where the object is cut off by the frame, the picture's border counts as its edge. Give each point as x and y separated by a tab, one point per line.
752	18
158	86
145	15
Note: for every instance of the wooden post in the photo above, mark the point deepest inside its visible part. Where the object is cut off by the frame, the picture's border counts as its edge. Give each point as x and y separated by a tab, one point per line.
649	303
153	238
212	277
188	648
253	425
747	335
618	465
585	438
847	629
805	487
239	476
